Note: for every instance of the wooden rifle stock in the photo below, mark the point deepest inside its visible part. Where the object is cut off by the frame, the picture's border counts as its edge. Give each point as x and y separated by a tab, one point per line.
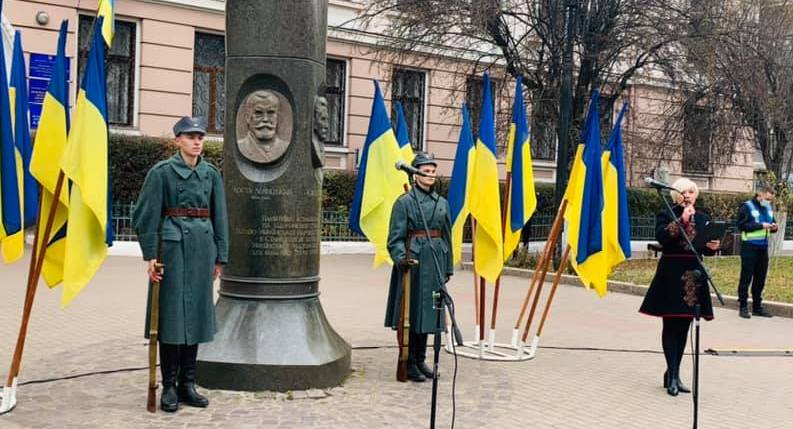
154	326
403	327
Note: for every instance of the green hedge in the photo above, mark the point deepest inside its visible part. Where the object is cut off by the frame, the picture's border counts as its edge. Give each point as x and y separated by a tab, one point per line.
131	157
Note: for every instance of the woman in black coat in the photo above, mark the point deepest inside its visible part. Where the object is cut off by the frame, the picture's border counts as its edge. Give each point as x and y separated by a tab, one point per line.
678	284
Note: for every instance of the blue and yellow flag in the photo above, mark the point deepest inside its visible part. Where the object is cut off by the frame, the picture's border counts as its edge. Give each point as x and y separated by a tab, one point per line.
11	222
585	206
617	230
379	184
485	201
460	185
521	200
85	163
19	97
51	137
107	10
403	136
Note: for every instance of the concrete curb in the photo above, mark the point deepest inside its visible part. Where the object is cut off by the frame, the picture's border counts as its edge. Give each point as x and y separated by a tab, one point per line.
779	309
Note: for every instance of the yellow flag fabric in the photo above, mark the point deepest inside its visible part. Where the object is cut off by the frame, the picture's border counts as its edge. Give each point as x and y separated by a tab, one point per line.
85	164
521	198
107	10
615	210
379	184
460	185
51	138
584	213
485	200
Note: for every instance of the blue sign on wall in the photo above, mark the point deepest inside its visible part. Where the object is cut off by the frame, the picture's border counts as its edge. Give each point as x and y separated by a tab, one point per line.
41	66
39	74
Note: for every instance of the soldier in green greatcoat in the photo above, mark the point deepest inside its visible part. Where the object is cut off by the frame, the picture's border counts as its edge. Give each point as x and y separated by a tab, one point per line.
180	218
407	239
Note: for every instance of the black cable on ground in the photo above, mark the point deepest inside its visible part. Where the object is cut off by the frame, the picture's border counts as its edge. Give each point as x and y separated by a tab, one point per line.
362	348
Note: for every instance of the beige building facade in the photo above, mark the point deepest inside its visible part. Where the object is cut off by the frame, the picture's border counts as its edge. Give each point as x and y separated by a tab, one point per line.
167	62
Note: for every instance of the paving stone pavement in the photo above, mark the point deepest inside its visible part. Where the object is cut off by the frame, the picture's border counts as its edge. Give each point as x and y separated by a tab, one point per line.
599	365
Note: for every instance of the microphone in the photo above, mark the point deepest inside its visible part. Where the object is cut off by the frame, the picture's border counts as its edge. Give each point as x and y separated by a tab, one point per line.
657	184
407	168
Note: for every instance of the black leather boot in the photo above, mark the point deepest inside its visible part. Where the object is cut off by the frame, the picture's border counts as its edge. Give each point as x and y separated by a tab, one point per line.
680	386
414	354
415	374
421	354
672	388
187	369
169	368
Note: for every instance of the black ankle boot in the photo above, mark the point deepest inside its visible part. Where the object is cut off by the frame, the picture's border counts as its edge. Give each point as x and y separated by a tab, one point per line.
666	379
680	386
169	367
187	370
415	374
672	388
425	369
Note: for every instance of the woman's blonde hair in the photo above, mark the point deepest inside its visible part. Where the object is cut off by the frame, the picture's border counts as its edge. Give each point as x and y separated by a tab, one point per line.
683	184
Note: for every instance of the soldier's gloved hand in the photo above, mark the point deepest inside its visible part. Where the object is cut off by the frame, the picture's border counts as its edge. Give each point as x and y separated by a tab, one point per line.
404	264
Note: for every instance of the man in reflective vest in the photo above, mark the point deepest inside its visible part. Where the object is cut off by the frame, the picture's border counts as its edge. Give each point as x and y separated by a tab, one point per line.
756	223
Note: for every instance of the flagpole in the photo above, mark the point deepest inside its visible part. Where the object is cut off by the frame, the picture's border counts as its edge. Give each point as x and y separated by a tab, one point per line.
504	217
477	321
562	266
540	270
34	272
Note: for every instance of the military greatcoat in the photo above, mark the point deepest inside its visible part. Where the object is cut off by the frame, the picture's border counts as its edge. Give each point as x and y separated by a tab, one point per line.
191	246
402	243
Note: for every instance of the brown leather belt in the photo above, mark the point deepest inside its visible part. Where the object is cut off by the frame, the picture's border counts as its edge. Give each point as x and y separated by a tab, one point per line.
187	212
434	233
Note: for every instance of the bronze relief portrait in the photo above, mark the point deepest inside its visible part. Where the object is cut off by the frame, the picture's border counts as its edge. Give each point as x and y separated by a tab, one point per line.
264	126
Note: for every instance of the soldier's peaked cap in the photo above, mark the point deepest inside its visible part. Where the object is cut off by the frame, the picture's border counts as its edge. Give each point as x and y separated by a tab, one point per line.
190	125
423	158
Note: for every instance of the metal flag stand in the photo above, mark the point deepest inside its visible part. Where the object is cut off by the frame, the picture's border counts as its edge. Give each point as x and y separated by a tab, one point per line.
518	349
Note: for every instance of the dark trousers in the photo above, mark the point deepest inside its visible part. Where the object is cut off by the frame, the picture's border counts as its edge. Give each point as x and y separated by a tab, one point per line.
417	348
674	336
754	267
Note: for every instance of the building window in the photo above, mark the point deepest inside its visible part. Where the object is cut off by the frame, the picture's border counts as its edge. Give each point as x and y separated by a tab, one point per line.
120	69
335	93
209	92
697	134
408	89
473	98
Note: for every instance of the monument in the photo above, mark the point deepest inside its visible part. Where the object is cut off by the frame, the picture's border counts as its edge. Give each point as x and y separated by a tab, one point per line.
272	331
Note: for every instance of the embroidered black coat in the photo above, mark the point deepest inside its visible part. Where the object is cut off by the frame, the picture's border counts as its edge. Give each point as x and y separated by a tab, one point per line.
675	289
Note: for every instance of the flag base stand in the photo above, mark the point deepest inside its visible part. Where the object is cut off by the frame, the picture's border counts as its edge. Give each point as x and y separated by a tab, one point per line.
9	398
498	352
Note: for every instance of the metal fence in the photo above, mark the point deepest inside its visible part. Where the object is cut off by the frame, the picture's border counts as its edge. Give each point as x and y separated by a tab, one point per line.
335	226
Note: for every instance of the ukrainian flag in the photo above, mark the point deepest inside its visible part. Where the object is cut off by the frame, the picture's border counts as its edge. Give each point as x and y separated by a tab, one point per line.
521	200
402	135
379	184
485	200
617	235
107	10
462	173
85	163
11	222
51	137
19	97
584	212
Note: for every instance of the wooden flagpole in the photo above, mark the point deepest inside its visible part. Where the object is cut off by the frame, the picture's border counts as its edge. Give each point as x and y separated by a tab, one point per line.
542	267
504	219
34	272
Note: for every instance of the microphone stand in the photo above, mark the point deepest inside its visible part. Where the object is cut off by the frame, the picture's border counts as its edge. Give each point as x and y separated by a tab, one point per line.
441	299
703	271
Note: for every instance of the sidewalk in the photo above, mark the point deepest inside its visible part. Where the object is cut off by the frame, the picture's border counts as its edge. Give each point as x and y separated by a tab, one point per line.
599	364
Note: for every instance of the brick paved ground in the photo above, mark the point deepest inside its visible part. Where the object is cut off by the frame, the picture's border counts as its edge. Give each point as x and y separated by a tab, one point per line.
566	386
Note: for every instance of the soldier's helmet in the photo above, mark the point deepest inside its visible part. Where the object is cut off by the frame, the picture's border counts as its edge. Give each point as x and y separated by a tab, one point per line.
424	158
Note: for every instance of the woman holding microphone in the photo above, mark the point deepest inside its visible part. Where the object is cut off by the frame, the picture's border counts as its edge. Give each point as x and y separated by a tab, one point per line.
678	284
